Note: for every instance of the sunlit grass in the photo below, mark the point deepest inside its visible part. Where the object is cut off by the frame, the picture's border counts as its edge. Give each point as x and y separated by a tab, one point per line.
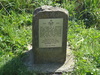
86	47
16	34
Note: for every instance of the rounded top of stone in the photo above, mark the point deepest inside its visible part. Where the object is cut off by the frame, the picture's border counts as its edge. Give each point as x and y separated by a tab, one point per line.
49	8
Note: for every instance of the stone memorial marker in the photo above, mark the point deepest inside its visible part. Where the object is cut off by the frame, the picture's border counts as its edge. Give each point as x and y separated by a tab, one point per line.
49	35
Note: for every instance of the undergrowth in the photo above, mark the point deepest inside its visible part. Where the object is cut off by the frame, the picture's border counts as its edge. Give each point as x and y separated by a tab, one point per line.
85	44
16	34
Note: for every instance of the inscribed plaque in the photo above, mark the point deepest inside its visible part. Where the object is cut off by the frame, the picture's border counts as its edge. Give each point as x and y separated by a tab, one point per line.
50	32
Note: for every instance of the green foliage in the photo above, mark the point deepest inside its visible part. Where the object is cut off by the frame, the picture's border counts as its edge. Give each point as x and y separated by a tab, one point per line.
86	46
16	34
70	6
88	10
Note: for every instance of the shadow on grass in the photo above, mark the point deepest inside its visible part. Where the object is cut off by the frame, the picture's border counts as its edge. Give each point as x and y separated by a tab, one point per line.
14	67
17	66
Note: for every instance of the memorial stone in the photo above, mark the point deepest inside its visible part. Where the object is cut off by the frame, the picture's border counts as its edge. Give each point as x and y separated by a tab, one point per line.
50	25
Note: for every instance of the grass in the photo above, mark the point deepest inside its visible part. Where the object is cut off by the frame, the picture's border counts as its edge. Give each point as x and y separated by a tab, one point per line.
16	34
86	47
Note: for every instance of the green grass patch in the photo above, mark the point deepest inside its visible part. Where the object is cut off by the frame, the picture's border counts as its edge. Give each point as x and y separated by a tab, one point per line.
16	34
86	47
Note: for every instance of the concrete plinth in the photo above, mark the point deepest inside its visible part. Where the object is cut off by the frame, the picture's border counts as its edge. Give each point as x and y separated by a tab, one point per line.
68	66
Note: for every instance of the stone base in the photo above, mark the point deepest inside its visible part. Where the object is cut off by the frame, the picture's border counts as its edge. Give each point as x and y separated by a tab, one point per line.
68	66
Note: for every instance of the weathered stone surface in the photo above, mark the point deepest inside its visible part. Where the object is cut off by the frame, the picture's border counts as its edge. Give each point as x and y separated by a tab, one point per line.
49	35
68	66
